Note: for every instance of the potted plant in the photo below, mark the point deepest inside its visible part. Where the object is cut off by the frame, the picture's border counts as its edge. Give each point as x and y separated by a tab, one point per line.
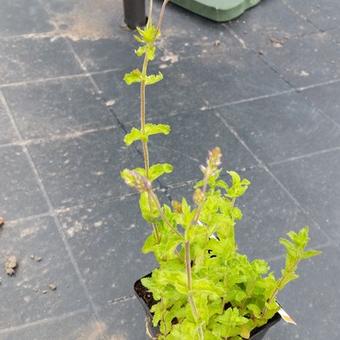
203	288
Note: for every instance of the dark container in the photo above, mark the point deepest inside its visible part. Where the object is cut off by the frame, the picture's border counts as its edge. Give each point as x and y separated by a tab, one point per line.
134	13
146	299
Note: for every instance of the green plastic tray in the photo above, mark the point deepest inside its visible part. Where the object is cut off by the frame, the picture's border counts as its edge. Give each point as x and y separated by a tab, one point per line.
217	10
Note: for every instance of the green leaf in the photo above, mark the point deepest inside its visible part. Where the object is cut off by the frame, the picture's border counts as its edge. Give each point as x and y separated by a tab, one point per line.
254	309
310	253
290	247
140	51
158	170
199	184
132	77
150	52
148	34
201	286
128	177
149	244
153	129
150	129
229	323
238	187
236	213
141	171
147	38
220	183
153	78
133	136
148	207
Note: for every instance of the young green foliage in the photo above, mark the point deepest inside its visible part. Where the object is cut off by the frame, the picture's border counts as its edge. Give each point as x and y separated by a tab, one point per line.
203	287
149	130
221	294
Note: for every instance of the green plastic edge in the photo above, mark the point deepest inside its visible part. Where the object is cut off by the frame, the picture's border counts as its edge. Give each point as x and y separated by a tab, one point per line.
217	10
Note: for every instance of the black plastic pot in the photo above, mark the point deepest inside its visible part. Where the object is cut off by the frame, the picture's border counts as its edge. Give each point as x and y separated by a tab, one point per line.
146	299
134	13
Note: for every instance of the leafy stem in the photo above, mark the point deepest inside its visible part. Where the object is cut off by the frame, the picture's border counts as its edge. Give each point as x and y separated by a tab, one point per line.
143	87
296	252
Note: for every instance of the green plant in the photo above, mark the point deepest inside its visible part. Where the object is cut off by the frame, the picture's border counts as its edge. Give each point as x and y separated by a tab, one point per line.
204	288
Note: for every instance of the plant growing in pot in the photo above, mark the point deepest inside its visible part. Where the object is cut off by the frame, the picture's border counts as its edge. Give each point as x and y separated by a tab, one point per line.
203	287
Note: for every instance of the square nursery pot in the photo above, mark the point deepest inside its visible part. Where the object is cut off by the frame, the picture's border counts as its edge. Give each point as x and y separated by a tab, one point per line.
147	301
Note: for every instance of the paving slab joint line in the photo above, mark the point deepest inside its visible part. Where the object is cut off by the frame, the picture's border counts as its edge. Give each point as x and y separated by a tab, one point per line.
44	321
300	15
323	113
52	138
253	50
272	67
247	100
308	155
263	165
275	94
64	210
95	85
263	59
51	209
236	36
312	86
10	223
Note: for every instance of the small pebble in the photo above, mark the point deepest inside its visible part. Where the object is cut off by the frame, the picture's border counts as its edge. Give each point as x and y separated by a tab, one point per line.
52	286
110	102
2	221
11	265
36	258
44	291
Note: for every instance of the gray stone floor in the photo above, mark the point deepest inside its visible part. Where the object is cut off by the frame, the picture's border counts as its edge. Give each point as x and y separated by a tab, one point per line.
265	88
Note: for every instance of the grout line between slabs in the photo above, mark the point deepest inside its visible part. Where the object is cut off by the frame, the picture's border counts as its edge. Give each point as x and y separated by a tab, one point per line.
252	50
301	16
43	321
51	210
248	100
62	210
53	138
27	218
64	77
273	68
266	168
309	155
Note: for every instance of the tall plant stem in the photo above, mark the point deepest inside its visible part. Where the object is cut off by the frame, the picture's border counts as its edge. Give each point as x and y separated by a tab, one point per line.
142	116
161	15
189	284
